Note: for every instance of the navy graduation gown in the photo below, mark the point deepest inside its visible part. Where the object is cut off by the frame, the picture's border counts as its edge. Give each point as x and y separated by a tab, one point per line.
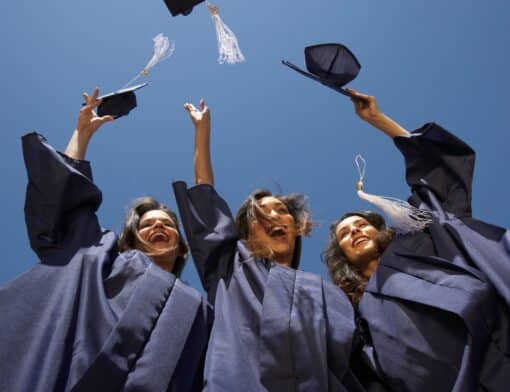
275	328
88	318
437	305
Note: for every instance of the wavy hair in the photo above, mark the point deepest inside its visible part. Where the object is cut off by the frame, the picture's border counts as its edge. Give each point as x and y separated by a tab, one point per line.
129	233
344	274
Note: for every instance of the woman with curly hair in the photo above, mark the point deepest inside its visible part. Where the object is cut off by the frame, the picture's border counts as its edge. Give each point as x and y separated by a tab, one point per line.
431	304
276	328
98	312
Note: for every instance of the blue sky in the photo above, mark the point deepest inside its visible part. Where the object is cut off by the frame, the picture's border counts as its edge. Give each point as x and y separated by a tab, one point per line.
442	61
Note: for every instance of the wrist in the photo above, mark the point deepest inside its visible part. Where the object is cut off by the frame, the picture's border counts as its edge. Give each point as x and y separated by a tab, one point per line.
83	135
379	120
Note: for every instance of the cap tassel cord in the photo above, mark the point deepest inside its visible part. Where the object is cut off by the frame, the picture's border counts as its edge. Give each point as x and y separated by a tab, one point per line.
404	217
163	48
228	47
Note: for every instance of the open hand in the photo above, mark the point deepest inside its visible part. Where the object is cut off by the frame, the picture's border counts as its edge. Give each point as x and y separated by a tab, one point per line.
88	120
201	118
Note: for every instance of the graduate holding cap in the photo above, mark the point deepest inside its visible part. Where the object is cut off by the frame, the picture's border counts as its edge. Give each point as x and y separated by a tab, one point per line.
99	312
276	328
432	293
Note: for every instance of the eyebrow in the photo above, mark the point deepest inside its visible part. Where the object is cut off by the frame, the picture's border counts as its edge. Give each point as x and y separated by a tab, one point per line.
356	222
274	203
153	219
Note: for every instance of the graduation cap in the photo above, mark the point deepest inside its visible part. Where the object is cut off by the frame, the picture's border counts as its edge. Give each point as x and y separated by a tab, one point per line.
119	103
333	65
183	7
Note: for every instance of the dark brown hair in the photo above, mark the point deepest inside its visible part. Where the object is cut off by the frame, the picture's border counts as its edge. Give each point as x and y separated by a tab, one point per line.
344	274
250	210
128	236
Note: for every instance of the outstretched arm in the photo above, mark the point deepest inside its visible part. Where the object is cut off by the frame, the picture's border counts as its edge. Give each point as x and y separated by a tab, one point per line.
88	123
202	156
367	109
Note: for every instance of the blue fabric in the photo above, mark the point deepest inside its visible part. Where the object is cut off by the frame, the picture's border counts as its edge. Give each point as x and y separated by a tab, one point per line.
275	328
437	305
86	317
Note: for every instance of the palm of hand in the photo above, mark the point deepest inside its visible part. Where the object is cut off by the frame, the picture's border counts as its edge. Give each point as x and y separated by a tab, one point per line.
198	116
88	120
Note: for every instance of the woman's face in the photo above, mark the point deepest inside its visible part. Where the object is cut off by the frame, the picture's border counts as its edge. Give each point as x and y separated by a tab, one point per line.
279	233
158	230
357	239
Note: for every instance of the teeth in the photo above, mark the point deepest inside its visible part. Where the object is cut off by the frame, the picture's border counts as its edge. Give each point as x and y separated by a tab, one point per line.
359	240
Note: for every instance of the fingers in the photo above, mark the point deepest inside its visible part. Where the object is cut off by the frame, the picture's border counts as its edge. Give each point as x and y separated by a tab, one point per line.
202	104
92	102
105	119
190	107
95	94
357	95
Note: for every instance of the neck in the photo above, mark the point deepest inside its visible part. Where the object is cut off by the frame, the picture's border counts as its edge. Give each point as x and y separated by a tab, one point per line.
370	268
164	262
285	260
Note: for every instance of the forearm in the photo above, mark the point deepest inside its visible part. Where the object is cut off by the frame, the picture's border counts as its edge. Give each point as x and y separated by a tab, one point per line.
77	146
389	126
202	156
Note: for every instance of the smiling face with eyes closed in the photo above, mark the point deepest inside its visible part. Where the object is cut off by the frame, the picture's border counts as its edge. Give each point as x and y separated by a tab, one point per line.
357	239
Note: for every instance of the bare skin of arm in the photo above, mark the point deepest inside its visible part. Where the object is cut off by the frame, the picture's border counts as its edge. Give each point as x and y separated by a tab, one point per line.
201	119
367	109
88	123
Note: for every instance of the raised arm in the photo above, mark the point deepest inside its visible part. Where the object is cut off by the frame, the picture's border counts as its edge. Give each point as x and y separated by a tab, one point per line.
88	123
202	155
434	158
367	109
61	198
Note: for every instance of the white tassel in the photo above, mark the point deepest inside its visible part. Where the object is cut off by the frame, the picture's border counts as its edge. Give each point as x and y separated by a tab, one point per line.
404	217
228	47
163	48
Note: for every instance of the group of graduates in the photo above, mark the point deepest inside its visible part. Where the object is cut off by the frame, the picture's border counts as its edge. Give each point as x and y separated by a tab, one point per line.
427	310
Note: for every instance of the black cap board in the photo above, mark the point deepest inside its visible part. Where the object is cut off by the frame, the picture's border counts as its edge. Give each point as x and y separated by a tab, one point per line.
333	65
183	7
119	103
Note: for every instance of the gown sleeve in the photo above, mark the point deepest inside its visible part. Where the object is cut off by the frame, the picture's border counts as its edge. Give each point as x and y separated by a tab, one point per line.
60	202
210	231
441	162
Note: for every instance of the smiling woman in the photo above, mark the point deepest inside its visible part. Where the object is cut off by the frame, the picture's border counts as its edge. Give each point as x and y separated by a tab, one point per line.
272	225
276	328
432	305
89	317
356	242
153	228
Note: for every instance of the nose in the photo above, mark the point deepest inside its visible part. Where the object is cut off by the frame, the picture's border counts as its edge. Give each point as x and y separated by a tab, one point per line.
355	229
157	223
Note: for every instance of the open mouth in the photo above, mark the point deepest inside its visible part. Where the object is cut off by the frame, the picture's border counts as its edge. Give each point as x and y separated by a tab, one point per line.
158	237
277	232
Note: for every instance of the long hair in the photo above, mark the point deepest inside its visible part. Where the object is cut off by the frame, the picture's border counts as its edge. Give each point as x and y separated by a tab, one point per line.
129	233
250	210
344	274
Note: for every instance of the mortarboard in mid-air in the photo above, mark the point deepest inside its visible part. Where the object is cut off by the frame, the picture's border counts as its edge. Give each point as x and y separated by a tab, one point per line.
119	103
333	65
181	7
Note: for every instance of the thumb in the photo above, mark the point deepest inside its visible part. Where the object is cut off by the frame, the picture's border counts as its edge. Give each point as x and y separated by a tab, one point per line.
106	119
